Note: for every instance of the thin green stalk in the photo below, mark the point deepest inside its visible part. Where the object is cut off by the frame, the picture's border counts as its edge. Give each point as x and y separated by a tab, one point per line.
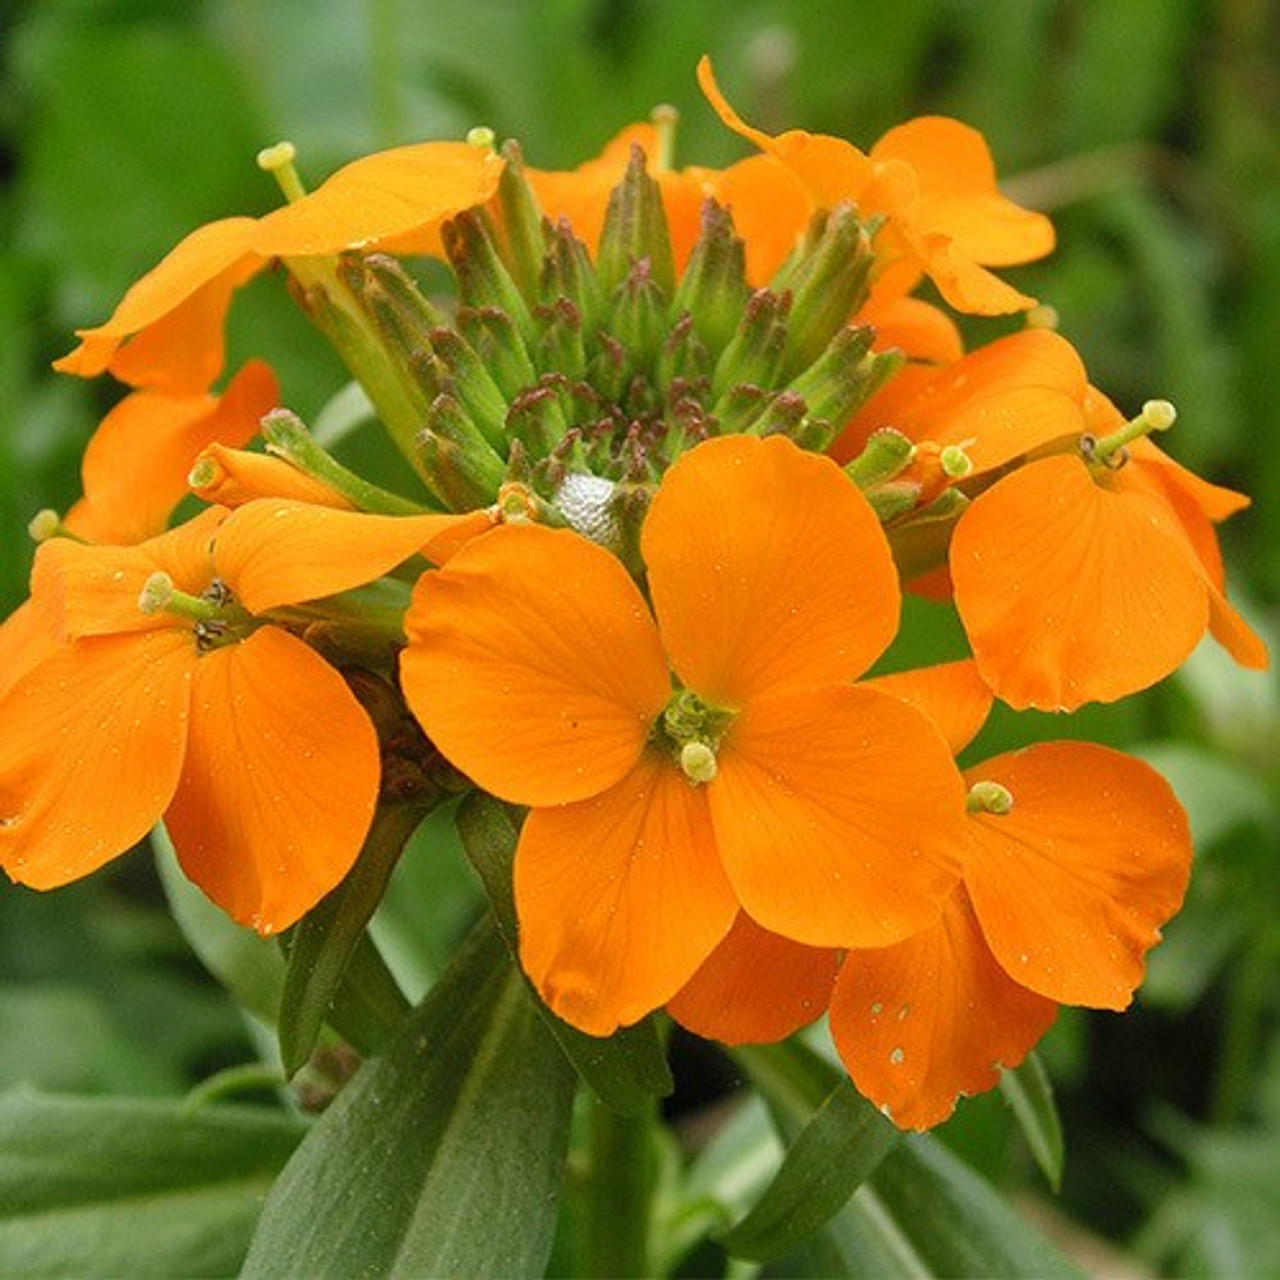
617	1197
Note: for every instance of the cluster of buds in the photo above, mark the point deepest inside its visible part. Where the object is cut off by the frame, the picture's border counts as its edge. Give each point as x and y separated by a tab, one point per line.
672	452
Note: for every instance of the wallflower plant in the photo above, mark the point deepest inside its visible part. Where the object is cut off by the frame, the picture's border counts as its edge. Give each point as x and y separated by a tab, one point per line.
630	612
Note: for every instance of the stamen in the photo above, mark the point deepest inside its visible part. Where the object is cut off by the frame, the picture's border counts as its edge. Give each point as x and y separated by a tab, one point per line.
481	136
278	162
45	524
1111	451
698	762
665	118
989	797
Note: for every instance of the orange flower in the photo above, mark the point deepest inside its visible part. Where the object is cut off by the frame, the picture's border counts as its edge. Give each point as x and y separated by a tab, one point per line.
203	711
1080	581
167	332
136	464
1082	856
934	180
764	782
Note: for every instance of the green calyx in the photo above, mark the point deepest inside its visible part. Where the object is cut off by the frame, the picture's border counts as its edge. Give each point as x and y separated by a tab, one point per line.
558	364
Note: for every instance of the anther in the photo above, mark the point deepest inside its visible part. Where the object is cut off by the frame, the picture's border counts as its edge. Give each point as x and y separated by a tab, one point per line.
989	797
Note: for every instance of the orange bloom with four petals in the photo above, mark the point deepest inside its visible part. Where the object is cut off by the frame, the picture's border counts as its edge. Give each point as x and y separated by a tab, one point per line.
709	757
204	711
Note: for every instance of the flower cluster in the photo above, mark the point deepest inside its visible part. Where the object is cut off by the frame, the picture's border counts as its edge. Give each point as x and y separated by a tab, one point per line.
671	456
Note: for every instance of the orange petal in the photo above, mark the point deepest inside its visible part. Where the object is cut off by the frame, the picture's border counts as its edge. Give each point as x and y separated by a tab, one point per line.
1073	883
136	464
958	195
770	208
830	168
91	744
620	897
1012	396
394	199
214	259
533	665
839	816
952	694
922	1023
755	987
279	783
85	590
275	551
1227	627
911	325
232	477
768	570
1071	592
26	640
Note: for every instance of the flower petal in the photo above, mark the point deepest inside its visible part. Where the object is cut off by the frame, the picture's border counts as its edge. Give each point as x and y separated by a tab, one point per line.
275	552
1073	883
136	464
839	815
620	897
392	198
755	987
82	589
232	477
958	195
922	1023
91	745
1071	592
199	275
768	570
279	783
996	403
952	694
533	665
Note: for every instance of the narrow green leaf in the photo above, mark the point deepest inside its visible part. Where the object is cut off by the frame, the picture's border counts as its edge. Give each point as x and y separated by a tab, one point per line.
834	1154
445	1154
1030	1096
626	1070
249	967
957	1222
93	1187
921	1212
330	937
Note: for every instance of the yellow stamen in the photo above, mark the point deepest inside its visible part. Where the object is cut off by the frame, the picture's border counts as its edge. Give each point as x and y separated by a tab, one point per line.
278	162
665	118
989	797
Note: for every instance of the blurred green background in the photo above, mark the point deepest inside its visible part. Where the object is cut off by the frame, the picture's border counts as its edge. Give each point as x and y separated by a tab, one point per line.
1145	127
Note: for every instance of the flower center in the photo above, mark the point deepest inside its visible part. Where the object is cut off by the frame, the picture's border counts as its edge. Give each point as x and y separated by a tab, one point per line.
216	619
691	731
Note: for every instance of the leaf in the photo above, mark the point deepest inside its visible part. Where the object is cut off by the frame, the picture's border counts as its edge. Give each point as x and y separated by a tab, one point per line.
957	1222
1030	1096
832	1157
334	969
921	1212
626	1070
445	1154
103	1188
249	967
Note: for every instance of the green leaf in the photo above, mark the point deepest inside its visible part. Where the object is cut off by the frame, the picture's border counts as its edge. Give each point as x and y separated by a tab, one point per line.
834	1154
445	1153
250	967
921	1212
334	969
626	1070
1030	1096
955	1221
109	1188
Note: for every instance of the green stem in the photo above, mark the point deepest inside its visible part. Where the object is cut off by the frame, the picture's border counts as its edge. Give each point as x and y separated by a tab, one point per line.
1247	1002
617	1199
